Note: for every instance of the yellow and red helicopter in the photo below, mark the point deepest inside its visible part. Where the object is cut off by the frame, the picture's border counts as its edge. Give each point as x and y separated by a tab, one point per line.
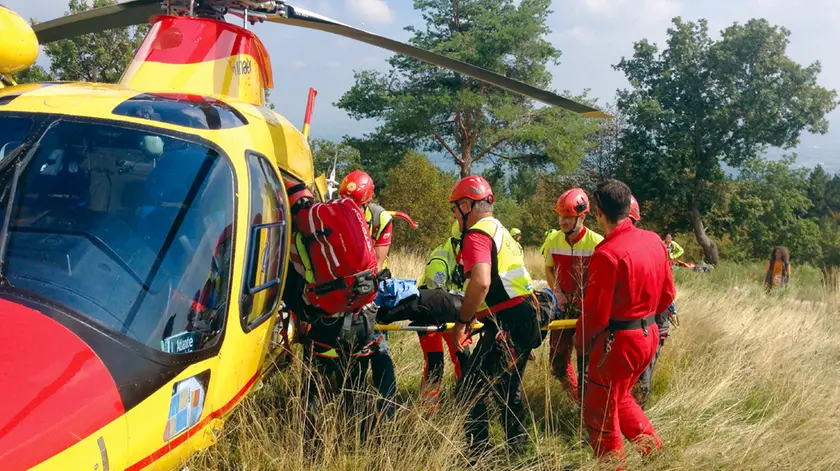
144	232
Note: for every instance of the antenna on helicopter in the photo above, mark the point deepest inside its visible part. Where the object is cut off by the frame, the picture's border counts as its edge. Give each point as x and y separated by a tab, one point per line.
332	183
307	118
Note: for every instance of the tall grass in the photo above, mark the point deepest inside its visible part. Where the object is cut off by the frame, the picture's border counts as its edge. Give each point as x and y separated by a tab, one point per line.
749	381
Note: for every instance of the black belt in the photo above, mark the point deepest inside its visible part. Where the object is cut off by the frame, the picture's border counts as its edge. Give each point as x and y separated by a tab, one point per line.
632	325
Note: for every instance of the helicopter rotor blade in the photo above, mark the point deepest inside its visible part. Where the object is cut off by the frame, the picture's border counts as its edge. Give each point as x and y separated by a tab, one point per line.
305	19
129	13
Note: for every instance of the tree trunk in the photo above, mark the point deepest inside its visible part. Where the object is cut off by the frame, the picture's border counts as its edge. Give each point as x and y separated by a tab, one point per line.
710	250
466	162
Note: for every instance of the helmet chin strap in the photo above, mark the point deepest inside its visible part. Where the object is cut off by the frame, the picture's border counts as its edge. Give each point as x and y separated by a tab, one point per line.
464	217
574	228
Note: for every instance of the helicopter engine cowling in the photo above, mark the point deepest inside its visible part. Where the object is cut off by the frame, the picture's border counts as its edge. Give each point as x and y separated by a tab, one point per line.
18	44
201	56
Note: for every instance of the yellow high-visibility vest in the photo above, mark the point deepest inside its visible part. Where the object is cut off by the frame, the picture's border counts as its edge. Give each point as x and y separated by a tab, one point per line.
508	277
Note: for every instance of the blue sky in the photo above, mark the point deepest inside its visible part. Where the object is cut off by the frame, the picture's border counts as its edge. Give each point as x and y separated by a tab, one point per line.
592	35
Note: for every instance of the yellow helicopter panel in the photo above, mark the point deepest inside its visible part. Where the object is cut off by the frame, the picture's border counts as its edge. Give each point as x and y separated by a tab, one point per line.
18	44
143	438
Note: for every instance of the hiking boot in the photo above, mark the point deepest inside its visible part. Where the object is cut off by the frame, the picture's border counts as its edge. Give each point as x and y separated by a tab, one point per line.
430	397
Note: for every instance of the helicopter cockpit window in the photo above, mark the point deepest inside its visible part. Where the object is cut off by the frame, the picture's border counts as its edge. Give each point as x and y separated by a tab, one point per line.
12	134
266	245
129	228
190	111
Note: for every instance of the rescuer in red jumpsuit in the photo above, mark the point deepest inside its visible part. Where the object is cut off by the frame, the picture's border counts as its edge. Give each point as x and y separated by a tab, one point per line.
629	281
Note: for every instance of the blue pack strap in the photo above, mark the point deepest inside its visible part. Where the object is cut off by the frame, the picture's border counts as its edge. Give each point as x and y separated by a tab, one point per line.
553	297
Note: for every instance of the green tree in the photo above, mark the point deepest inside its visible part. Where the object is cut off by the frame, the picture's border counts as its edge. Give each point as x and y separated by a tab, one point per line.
507	209
326	152
94	57
378	155
537	209
701	102
268	102
603	157
818	184
769	207
35	73
426	107
418	188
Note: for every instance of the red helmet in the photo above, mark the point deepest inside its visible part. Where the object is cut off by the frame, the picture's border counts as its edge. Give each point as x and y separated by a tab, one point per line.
635	213
572	203
475	188
358	186
296	191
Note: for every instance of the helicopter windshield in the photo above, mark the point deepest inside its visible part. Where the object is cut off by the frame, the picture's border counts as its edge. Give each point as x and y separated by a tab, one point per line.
128	227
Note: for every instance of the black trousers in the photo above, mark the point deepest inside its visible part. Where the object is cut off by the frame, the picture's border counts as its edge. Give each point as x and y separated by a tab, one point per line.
495	374
332	373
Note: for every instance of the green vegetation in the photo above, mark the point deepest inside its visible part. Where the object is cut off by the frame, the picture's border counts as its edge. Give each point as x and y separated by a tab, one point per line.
702	103
427	108
96	57
745	383
421	190
694	108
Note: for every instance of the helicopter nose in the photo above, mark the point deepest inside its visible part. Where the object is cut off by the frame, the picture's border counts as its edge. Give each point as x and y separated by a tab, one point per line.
55	390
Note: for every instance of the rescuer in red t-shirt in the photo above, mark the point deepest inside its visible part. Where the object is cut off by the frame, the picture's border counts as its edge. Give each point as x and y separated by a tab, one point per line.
629	282
499	292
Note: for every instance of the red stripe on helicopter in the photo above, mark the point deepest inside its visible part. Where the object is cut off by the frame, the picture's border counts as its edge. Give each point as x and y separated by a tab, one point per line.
183	40
56	390
177	441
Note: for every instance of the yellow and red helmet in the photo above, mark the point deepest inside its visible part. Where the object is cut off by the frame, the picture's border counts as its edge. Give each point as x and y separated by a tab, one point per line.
474	187
358	186
635	212
296	192
572	203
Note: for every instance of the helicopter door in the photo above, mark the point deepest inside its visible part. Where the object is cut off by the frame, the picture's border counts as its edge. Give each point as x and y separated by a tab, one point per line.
267	244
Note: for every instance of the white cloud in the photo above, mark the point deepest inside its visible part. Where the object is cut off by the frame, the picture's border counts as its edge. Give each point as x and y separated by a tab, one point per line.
298	64
603	7
639	11
374	11
322	7
370	61
658	10
580	34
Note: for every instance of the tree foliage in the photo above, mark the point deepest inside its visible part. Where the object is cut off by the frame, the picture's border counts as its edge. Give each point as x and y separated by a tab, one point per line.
325	153
426	107
35	73
769	207
603	157
418	188
94	57
700	103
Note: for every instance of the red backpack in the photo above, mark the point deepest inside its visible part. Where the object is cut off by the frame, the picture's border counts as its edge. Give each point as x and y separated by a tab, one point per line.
341	253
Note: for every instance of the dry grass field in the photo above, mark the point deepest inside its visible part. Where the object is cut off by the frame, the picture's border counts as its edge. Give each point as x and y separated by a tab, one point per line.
749	381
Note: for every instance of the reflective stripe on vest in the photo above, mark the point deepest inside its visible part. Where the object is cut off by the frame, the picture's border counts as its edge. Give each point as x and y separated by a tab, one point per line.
566	251
308	274
508	276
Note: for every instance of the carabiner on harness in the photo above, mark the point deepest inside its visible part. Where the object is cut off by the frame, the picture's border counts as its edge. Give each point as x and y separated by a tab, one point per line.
607	348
